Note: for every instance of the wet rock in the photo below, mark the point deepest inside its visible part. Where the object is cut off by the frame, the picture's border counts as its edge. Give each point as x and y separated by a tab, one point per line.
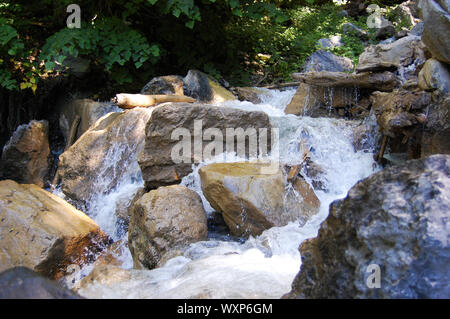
252	199
435	75
396	219
399	110
400	53
125	205
436	18
23	283
25	157
326	61
104	275
93	165
248	94
156	162
163	221
169	84
41	231
205	89
385	81
437	128
89	112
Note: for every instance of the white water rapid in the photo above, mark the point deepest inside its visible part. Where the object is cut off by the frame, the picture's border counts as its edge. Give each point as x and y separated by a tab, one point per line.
261	267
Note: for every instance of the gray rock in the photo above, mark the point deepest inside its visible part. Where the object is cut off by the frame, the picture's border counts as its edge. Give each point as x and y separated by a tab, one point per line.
350	28
396	219
204	88
385	30
332	42
435	75
436	18
23	283
326	61
417	30
156	162
169	84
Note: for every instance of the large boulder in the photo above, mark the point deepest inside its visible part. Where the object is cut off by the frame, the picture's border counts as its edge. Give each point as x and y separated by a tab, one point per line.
326	61
250	94
400	53
164	221
87	110
392	226
25	157
252	200
24	283
169	84
41	231
158	166
435	75
436	17
204	88
95	163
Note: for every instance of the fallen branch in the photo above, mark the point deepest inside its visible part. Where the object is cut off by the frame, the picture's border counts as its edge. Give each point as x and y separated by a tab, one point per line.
129	101
280	85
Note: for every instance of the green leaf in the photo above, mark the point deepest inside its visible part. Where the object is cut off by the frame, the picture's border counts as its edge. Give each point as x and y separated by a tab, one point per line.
190	24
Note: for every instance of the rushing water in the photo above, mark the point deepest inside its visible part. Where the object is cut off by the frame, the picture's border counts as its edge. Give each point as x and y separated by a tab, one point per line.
261	267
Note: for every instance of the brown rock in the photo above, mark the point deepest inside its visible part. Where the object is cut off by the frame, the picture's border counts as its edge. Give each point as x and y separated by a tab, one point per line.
169	84
43	232
163	221
252	200
157	165
25	157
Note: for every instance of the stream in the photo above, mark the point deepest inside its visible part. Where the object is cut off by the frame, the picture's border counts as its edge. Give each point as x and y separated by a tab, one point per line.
259	267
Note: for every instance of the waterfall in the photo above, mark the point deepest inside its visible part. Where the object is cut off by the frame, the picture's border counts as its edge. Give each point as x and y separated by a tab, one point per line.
262	266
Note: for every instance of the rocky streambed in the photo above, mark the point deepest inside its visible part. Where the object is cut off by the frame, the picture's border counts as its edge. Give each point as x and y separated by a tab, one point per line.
350	167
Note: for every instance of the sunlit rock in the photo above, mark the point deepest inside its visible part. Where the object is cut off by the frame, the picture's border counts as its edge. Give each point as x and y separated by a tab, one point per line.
252	199
205	89
41	231
163	221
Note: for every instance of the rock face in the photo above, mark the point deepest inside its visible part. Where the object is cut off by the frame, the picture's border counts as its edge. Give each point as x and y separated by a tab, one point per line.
157	166
165	220
203	88
89	112
436	17
94	163
398	111
396	219
252	201
385	81
169	84
23	283
25	157
41	231
385	56
435	75
437	128
326	61
385	30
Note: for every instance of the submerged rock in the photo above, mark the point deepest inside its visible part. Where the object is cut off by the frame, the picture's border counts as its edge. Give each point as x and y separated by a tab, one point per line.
164	221
436	18
205	89
41	231
168	84
396	219
25	157
156	162
23	283
252	198
95	163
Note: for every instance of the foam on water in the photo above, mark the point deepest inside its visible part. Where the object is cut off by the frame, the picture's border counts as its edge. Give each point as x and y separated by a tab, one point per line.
262	266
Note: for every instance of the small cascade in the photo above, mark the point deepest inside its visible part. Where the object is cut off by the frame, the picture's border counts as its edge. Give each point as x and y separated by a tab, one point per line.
262	266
